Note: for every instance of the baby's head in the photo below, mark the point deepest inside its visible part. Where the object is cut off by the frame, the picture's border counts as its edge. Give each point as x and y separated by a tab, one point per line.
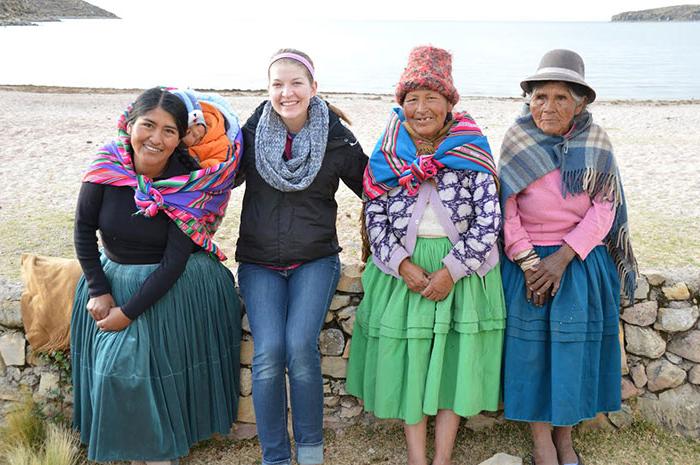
195	134
197	127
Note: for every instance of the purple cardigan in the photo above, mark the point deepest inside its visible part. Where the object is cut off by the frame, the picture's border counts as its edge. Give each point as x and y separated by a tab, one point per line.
466	204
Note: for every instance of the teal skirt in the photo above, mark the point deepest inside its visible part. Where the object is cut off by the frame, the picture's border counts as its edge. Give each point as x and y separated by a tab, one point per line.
562	360
167	381
411	357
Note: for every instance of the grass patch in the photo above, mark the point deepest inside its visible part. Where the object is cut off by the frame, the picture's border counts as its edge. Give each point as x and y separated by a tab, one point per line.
24	427
40	232
383	443
660	240
641	444
28	440
663	241
60	448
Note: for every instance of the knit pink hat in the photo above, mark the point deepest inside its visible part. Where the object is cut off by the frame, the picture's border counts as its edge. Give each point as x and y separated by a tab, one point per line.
428	68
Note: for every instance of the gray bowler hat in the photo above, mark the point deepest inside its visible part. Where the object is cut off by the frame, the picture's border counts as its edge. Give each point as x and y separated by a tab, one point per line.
560	65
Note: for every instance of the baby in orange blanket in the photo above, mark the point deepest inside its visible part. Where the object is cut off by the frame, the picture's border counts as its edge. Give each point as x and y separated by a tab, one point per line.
207	135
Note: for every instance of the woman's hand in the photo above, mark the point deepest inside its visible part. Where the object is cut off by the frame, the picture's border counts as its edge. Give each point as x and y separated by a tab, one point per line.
114	321
530	295
547	274
99	306
440	285
413	275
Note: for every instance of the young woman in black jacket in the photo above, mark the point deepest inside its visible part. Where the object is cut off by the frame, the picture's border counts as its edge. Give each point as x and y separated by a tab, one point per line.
296	151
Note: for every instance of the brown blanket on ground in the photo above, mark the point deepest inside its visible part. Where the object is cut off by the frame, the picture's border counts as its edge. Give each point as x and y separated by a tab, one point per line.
47	300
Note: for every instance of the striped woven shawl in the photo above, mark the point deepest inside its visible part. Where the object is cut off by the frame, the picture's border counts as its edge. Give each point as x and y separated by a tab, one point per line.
587	164
196	202
395	162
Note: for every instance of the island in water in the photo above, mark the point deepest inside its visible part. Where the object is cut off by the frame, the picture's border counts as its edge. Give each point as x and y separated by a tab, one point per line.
668	13
28	12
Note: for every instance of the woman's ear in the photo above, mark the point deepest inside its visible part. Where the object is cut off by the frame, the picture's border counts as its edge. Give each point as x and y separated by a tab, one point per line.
128	128
314	87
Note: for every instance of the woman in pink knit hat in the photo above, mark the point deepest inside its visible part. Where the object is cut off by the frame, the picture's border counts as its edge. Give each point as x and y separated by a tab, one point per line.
429	332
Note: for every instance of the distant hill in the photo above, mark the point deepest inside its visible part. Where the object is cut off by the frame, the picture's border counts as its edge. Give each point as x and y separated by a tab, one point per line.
668	13
26	12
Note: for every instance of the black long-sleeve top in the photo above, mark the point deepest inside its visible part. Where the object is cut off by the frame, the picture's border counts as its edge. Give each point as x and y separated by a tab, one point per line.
130	239
285	228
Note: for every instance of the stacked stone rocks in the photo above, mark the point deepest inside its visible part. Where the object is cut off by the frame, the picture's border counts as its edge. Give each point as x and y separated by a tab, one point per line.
659	331
659	334
20	372
662	364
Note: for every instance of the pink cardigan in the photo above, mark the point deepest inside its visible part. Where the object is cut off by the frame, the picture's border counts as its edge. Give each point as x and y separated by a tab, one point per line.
539	215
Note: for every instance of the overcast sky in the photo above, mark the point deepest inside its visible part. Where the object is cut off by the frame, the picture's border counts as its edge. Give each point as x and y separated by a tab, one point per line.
464	10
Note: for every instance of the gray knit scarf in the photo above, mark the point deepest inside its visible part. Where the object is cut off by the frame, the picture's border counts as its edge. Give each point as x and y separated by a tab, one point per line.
308	148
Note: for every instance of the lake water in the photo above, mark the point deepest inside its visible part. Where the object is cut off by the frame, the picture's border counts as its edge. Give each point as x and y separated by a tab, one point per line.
623	60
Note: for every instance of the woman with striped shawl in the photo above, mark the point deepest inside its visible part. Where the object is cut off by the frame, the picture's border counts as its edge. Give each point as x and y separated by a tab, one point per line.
429	332
568	252
155	332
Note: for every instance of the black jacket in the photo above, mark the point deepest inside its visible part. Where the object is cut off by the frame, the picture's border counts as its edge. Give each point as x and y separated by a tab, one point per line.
282	228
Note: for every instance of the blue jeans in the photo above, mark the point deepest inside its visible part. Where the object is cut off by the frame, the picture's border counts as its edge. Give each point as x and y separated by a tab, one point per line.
286	310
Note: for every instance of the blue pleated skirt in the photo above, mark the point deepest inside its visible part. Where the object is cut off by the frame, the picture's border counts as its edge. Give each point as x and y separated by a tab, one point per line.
167	381
562	360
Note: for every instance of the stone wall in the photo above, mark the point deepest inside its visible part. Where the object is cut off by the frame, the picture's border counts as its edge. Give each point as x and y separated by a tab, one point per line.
661	363
20	371
660	331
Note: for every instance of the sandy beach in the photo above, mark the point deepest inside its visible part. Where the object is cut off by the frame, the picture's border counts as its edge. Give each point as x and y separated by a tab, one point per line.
50	135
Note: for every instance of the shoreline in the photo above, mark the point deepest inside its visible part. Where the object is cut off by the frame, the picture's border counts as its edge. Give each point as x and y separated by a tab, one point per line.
48	89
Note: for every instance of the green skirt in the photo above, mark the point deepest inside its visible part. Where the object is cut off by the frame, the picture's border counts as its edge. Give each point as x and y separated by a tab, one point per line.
167	381
411	356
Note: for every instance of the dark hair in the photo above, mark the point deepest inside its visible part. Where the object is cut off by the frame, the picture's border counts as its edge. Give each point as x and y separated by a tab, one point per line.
158	97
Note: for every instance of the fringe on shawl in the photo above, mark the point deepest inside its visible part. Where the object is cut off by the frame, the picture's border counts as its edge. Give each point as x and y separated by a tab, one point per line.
607	186
594	183
620	249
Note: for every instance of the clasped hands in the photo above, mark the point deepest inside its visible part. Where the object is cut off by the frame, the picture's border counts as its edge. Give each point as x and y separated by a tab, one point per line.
543	279
107	315
433	286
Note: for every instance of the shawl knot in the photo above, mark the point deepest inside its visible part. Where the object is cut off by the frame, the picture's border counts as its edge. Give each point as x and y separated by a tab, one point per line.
415	174
148	199
397	161
195	201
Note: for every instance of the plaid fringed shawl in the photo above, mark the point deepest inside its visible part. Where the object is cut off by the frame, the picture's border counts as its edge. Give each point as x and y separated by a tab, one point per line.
587	164
196	202
394	160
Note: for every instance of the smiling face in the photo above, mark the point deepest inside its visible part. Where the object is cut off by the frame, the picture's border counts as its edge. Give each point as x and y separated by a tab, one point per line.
154	138
554	108
426	111
290	91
